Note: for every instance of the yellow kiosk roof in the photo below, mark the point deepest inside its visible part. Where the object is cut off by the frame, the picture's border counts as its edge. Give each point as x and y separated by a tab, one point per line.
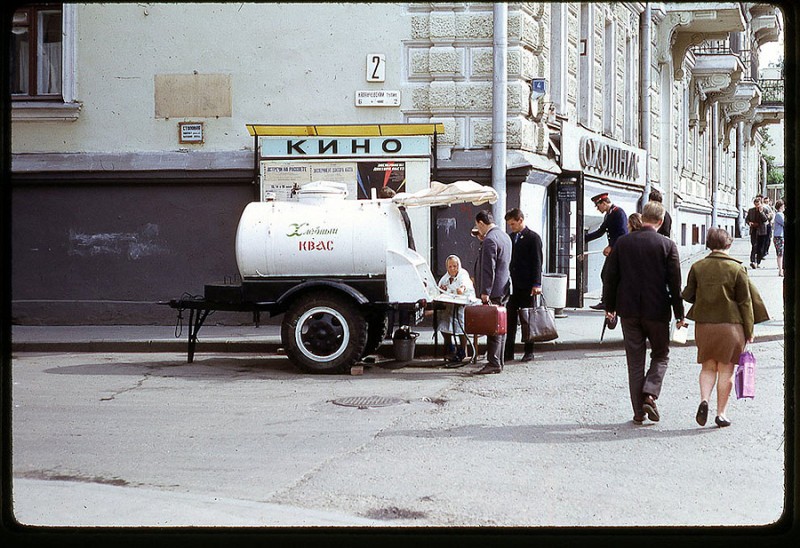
344	130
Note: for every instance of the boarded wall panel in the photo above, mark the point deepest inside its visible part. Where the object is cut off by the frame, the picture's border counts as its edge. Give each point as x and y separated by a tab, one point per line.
192	95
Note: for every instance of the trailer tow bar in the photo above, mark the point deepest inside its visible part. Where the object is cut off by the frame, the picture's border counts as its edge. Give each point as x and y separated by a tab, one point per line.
198	312
196	319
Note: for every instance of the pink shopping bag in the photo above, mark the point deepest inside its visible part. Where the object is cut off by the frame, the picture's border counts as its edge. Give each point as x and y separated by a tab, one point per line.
745	377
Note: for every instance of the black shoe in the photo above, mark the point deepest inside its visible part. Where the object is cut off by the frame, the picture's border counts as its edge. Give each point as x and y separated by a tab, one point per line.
722	423
598	306
753	265
527	357
456	363
508	358
650	408
702	413
488	370
637	420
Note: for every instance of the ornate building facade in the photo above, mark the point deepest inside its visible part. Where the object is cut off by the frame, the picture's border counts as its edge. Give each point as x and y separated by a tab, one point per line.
113	209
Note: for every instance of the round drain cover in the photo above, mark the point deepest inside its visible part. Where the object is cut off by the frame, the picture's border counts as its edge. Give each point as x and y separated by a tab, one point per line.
368	401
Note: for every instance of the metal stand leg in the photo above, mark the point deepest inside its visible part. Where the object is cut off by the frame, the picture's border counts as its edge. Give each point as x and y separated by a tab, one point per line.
474	349
196	319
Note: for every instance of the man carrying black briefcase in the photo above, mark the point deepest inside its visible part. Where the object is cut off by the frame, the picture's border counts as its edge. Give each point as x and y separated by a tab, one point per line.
493	282
526	278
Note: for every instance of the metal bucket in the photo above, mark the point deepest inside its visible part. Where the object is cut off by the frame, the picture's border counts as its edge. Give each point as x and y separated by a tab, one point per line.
404	348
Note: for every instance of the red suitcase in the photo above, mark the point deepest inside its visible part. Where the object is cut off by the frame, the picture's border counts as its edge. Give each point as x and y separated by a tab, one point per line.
485	319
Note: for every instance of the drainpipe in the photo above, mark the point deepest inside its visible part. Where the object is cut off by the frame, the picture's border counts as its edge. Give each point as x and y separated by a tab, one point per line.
499	108
645	56
739	178
714	163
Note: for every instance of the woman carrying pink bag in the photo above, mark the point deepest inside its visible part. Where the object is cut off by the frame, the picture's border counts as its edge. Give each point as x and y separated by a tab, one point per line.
725	307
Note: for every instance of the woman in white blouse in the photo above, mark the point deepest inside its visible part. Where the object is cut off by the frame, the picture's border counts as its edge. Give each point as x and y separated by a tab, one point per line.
451	319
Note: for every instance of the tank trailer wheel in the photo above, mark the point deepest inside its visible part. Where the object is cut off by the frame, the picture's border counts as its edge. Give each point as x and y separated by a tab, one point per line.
324	333
377	327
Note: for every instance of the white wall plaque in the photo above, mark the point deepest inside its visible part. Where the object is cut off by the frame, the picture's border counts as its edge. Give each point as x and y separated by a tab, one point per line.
378	98
190	132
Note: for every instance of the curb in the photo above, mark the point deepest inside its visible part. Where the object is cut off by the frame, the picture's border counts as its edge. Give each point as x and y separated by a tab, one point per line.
385	350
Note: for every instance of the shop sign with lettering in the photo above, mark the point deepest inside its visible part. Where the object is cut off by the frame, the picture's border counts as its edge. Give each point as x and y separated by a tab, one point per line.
602	157
333	147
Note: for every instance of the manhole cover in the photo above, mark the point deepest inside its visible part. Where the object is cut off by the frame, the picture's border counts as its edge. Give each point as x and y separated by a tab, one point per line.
368	401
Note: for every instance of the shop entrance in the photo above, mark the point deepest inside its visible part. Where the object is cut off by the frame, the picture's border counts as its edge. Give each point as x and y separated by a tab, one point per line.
566	240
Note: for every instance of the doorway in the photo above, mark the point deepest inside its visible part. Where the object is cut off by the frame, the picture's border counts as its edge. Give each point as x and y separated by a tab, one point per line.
566	243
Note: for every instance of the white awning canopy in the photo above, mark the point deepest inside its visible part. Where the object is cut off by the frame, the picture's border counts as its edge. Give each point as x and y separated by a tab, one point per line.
441	194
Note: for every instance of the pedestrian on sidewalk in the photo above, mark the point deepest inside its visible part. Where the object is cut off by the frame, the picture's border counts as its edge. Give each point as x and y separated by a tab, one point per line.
634	222
643	281
666	226
526	277
777	234
493	281
770	213
725	305
756	219
615	225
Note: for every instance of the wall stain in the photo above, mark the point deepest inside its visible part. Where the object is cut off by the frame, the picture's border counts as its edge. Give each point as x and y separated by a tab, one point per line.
134	245
446	223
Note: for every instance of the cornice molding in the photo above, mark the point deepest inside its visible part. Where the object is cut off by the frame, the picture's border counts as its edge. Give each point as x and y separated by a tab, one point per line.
682	29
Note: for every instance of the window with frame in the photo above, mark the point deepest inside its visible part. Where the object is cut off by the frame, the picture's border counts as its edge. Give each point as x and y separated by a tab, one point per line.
36	53
558	56
609	79
586	65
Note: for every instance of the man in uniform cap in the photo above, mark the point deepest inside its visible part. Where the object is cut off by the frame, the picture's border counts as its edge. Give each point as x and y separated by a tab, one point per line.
615	224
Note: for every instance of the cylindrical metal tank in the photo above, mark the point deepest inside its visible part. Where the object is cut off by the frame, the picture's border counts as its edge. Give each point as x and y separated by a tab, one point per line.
318	237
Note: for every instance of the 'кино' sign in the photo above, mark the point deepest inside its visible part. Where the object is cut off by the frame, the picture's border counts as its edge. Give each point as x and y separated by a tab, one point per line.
331	147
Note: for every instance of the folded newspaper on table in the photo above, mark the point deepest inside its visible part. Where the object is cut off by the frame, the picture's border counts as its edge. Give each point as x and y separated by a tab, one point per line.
440	194
451	298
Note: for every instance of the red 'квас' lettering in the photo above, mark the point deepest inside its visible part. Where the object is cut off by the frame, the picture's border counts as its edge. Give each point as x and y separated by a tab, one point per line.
312	245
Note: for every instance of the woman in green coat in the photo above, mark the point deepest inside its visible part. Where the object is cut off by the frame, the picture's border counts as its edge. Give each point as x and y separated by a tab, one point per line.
725	306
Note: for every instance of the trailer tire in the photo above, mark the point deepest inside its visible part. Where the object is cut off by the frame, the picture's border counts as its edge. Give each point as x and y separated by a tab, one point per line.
324	332
377	327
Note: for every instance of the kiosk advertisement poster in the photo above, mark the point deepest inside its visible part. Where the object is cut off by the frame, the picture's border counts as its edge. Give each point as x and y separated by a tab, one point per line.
377	175
279	177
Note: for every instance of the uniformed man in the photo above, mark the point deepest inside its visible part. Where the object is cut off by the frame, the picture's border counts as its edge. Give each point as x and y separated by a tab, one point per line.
615	224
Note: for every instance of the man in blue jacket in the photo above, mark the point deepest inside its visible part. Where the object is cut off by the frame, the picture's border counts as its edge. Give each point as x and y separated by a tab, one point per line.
615	224
493	281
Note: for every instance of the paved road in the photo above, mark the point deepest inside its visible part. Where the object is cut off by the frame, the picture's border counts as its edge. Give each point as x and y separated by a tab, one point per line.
147	439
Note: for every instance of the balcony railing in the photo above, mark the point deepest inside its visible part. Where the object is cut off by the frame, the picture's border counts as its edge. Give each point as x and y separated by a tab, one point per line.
722	47
771	91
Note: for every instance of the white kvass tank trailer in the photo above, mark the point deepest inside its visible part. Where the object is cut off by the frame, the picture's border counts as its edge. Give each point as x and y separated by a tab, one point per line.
340	271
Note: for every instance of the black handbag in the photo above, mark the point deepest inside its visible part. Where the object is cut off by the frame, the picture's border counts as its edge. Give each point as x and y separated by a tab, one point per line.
538	323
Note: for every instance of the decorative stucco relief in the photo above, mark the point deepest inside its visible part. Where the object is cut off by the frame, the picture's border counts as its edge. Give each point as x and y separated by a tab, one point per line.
451	56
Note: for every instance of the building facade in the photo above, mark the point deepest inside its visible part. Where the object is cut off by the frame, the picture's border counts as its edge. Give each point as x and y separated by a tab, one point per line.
131	158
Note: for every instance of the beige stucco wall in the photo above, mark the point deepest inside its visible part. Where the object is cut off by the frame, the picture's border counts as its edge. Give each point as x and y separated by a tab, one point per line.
275	63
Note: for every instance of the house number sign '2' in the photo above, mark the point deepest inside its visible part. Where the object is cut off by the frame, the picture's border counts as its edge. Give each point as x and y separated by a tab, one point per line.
376	67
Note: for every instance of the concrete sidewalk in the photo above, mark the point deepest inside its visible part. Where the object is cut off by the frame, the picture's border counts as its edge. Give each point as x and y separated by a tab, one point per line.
580	329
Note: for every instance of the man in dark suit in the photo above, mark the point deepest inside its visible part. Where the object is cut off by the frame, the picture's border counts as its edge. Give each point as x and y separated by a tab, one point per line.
615	224
643	280
493	281
666	226
526	277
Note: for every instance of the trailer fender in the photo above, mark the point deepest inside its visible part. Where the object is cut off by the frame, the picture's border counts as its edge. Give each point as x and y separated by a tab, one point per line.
284	300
